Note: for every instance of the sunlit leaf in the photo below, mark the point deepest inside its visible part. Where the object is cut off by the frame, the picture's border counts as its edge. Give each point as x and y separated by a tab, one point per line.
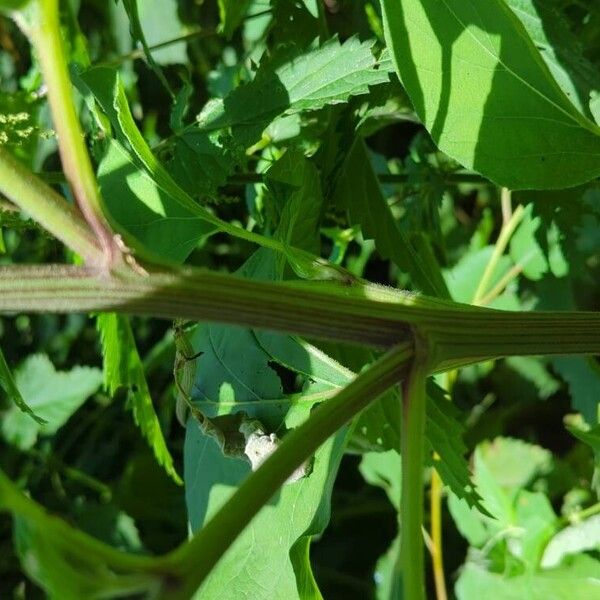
123	369
481	88
52	395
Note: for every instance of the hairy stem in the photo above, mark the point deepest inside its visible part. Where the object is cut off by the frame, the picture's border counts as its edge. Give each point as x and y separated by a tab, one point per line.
46	207
45	35
363	314
412	563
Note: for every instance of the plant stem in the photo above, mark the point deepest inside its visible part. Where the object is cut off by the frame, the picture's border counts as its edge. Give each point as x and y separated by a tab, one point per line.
366	314
47	207
506	232
581	515
195	560
437	556
45	35
413	454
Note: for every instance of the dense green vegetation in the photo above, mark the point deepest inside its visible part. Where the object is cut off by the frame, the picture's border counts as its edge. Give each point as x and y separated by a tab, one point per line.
299	299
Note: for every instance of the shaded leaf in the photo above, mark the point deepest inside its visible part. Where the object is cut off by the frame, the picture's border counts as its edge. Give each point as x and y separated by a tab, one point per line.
337	72
384	470
582	375
147	211
137	31
560	49
537	249
359	192
446	449
67	563
104	83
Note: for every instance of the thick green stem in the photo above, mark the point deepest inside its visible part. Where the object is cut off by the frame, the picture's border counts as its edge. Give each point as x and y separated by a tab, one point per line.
47	207
363	314
196	559
43	29
412	450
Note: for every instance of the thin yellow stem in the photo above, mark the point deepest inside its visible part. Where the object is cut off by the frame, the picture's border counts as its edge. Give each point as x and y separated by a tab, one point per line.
437	558
505	203
506	232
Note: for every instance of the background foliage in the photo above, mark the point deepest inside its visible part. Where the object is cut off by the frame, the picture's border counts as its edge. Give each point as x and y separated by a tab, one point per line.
286	118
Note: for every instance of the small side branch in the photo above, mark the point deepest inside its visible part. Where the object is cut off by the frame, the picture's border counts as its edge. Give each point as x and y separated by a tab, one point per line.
48	208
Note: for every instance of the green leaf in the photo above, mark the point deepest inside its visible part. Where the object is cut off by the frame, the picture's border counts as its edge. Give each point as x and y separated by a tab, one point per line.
378	429
446	449
8	5
337	72
267	557
294	186
561	50
464	277
577	580
67	563
358	191
483	91
536	248
237	371
582	375
137	32
150	214
576	538
123	369
52	395
159	22
104	83
503	469
201	163
9	385
384	470
588	435
231	13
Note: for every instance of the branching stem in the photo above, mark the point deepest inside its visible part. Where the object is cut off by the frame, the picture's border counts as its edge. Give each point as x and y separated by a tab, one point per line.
414	397
44	32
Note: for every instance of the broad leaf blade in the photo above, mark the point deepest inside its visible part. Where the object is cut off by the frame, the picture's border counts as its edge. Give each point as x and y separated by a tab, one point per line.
482	89
262	561
52	395
146	210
